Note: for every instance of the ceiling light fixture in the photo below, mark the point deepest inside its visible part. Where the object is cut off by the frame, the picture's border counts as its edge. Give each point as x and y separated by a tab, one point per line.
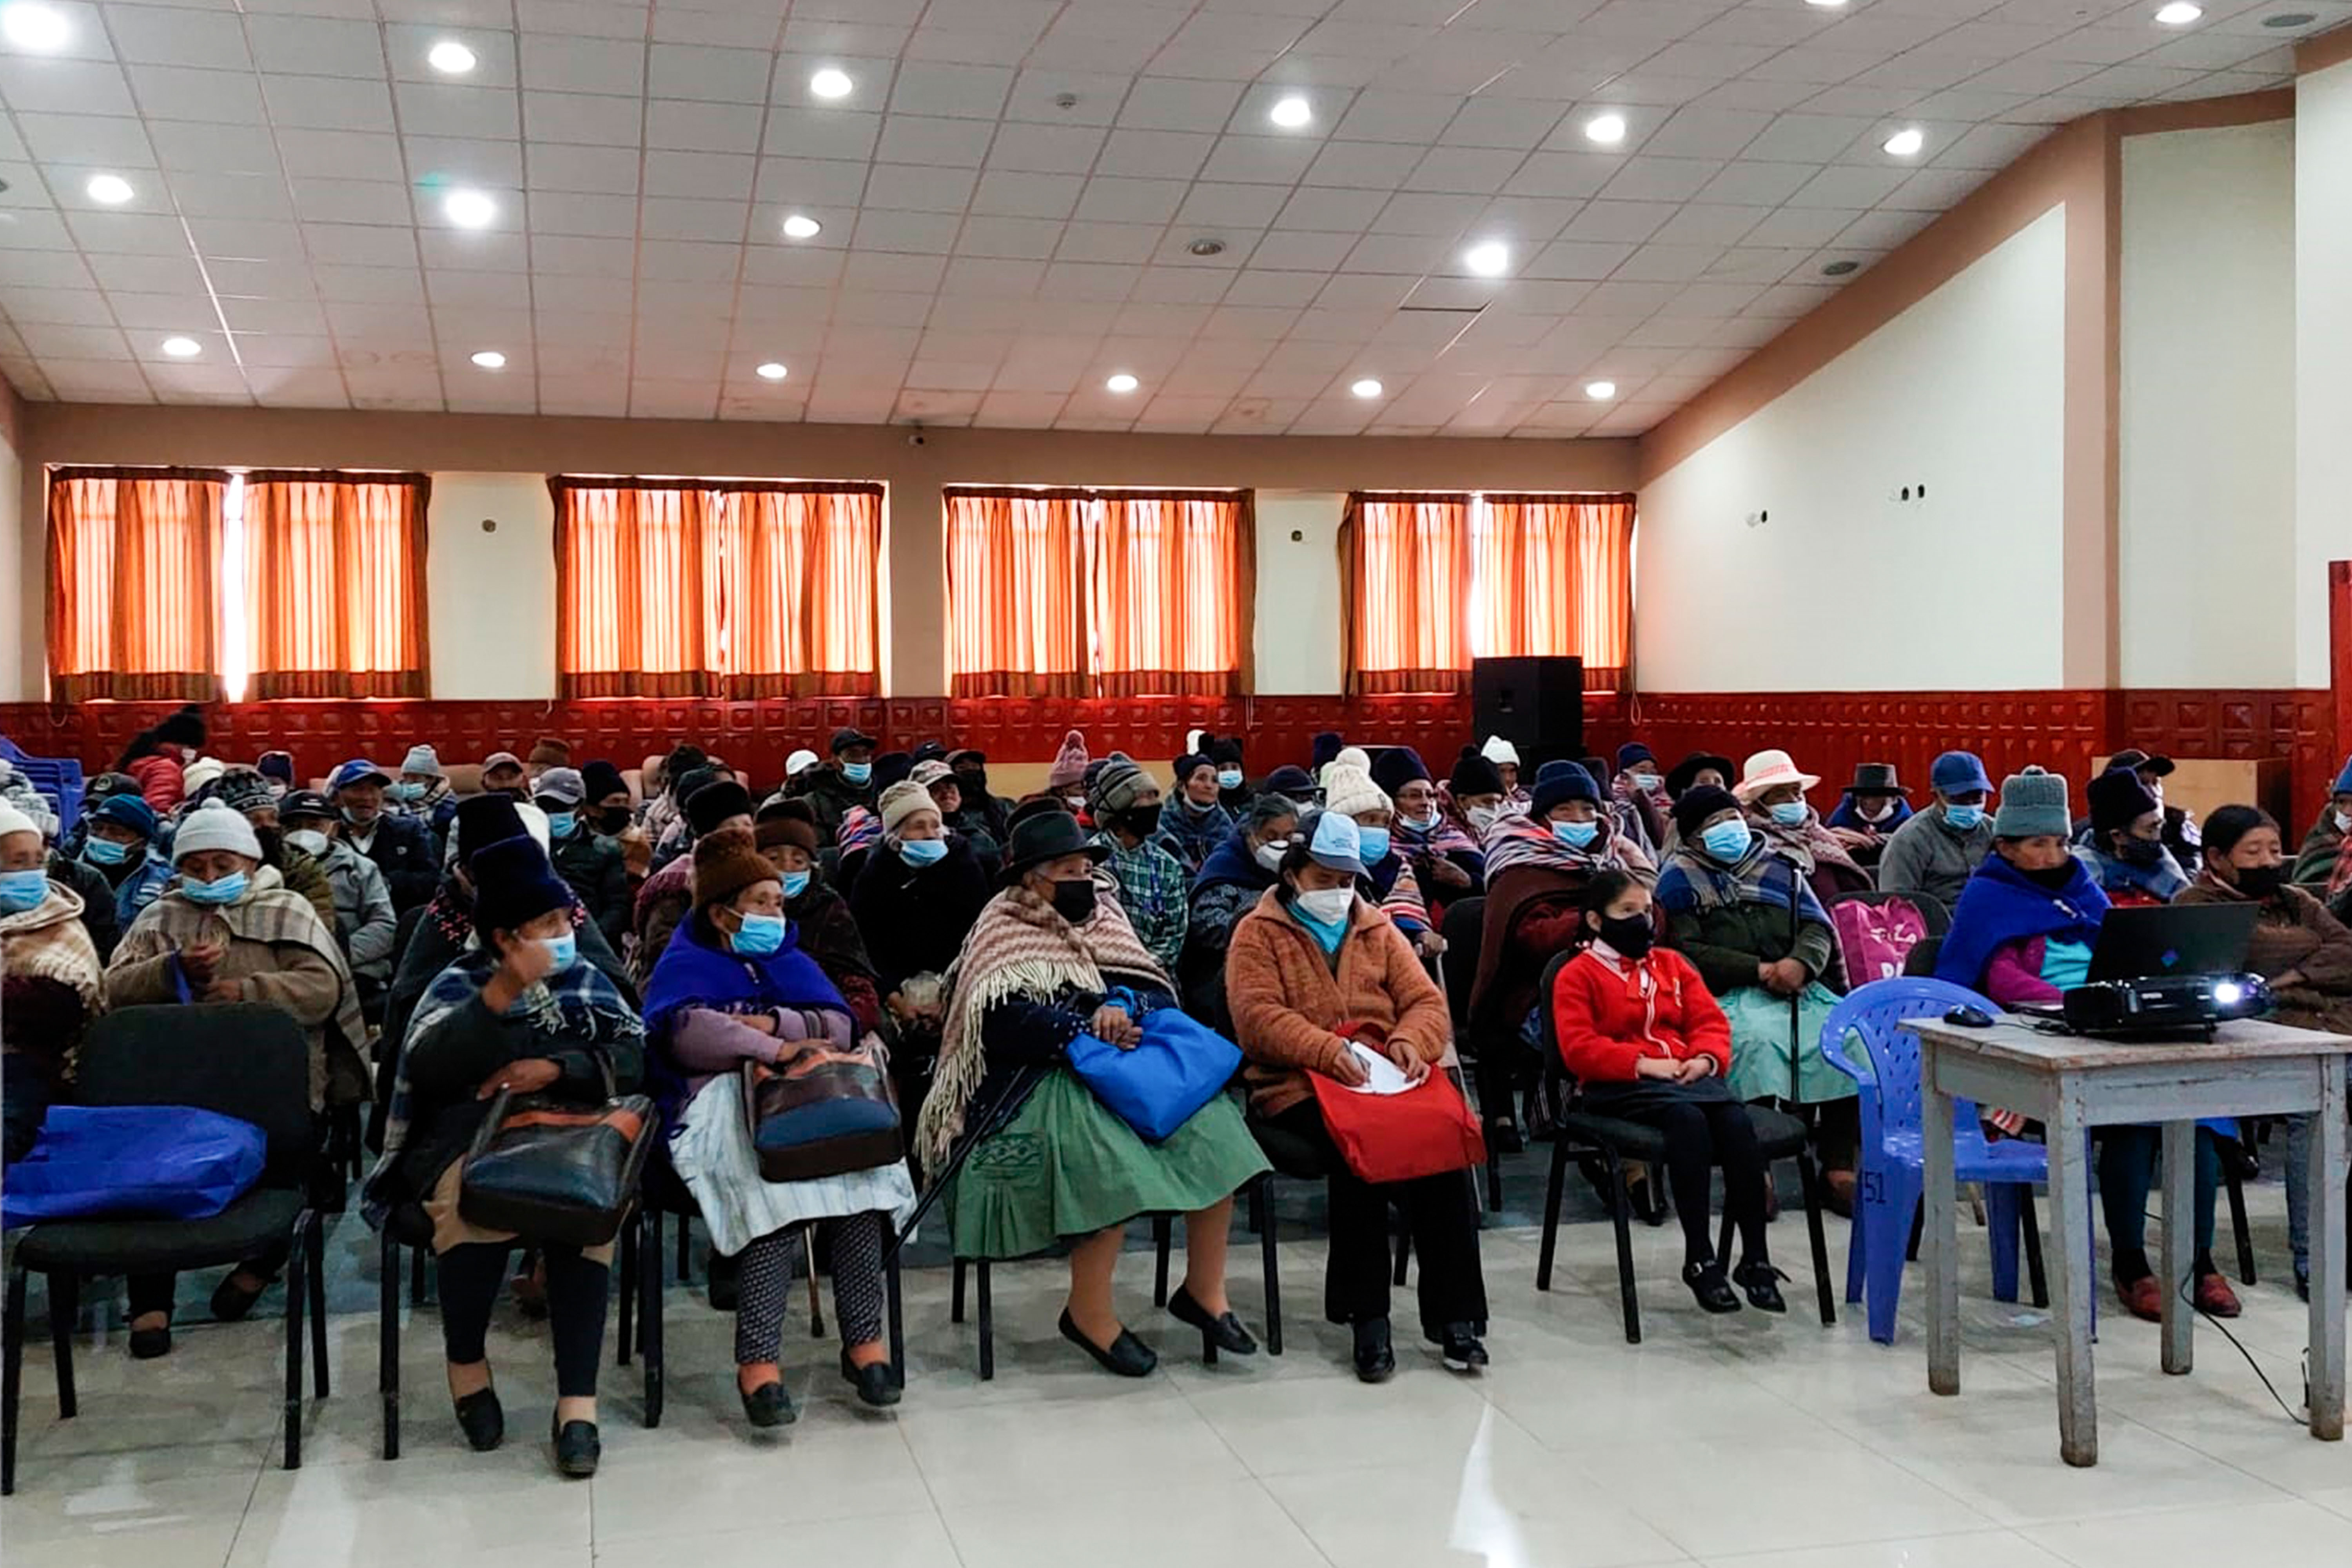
1122	383
1907	143
2179	14
2286	19
1489	259
831	82
469	209
799	225
450	58
111	189
491	359
771	370
182	348
1827	4
1601	391
1368	387
1606	129
34	28
1290	113
1841	268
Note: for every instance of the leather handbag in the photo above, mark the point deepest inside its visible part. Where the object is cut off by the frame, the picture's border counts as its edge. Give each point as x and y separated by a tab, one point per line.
557	1172
823	1113
1425	1130
1155	1088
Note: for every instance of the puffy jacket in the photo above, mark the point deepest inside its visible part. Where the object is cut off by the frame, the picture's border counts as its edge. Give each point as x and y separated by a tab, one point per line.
1610	1012
160	783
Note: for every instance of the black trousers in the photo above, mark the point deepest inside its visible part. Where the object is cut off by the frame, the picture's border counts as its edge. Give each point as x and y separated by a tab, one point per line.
1704	1127
473	1274
154	1292
1442	1214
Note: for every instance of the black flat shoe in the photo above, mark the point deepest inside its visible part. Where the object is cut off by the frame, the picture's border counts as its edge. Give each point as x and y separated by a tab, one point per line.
577	1448
768	1405
1709	1288
1375	1357
1461	1349
875	1383
232	1301
482	1419
1223	1331
146	1344
1128	1356
1762	1281
720	1275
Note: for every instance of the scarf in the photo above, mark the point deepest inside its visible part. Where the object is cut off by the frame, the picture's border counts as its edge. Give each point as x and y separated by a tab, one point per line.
2162	881
2001	905
1399	893
1019	947
451	913
859	828
1695	880
693	974
268	913
581	1006
48	941
1446	837
1518	840
2339	876
1808	843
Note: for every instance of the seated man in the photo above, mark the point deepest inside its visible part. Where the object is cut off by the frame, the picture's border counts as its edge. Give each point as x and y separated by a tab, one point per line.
591	863
122	841
2322	867
364	921
401	847
1941	848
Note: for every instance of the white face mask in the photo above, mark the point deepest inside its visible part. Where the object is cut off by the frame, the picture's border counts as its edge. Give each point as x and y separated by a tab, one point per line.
309	840
2344	822
1482	817
1328	905
1270	855
1879	813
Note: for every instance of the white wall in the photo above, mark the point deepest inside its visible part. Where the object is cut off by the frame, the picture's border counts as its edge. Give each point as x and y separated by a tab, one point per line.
2208	418
1297	610
24	608
1842	587
2323	371
492	595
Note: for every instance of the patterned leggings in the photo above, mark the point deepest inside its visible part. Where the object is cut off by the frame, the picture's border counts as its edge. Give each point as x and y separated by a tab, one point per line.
765	1288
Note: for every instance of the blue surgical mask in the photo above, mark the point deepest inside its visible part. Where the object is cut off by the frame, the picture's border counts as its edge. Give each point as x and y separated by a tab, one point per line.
564	950
220	891
560	824
1373	843
796	883
1576	835
104	851
408	789
759	935
1789	814
22	890
857	773
1964	818
1420	823
923	851
1229	778
1726	841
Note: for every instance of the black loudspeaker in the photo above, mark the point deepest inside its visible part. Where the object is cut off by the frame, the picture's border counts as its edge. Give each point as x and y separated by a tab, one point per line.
1535	703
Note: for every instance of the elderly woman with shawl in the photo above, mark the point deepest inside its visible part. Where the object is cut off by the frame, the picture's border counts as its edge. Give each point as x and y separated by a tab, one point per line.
50	987
1050	960
521	1011
1773	791
734	986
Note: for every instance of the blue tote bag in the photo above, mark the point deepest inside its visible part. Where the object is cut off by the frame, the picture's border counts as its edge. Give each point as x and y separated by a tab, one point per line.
1178	1067
134	1162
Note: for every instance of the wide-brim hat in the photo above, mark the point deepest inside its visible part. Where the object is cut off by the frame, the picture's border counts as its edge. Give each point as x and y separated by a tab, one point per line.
1679	777
1876	778
1770	770
1048	836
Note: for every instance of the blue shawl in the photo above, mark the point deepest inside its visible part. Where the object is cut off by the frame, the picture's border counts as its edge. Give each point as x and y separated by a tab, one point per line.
1231	862
2001	905
2162	881
1191	836
692	974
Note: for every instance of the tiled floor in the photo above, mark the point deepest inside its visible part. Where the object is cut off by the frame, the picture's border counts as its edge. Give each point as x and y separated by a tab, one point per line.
1743	1441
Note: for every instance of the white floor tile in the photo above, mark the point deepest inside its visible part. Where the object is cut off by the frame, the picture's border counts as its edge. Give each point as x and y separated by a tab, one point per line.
779	1533
2283	1532
1138	1522
1974	1550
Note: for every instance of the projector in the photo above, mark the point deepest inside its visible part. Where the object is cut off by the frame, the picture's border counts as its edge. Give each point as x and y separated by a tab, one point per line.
2164	1002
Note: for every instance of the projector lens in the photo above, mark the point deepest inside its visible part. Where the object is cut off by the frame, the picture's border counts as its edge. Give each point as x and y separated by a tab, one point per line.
2229	992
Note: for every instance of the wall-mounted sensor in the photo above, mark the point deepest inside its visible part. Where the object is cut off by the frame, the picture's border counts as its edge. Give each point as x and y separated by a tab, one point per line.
490	525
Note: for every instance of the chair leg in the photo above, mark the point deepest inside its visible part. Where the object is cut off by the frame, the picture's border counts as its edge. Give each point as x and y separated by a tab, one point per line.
649	1312
65	1307
2237	1191
416	1278
298	1268
684	1250
387	1341
1620	1204
319	1372
630	1262
12	1377
987	1327
1811	1182
817	1304
1260	1208
1494	1176
1885	1208
1911	1246
1554	1190
1869	1179
895	1300
955	1293
2036	1280
1163	1238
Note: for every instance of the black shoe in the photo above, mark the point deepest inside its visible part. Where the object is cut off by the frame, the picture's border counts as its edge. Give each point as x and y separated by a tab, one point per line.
1709	1288
876	1384
232	1301
1128	1356
2302	1290
1224	1330
482	1419
1503	1134
577	1446
1375	1357
768	1405
720	1274
1762	1281
1461	1348
146	1344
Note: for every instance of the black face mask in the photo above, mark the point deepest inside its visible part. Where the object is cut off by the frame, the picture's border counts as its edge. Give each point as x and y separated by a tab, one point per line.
973	782
1629	934
1074	901
2137	851
1143	820
613	820
2055	878
2261	881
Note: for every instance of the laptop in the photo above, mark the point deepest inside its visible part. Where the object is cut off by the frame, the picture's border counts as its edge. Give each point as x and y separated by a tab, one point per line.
2141	940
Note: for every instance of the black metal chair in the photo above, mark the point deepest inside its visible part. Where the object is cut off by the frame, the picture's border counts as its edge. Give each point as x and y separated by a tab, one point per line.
241	1059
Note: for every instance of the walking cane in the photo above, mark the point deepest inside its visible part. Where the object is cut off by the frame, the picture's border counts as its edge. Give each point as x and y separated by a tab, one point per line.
1016	1094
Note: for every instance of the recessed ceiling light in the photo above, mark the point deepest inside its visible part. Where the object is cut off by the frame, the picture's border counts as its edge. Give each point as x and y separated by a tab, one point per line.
469	209
491	359
2286	19
1122	382
831	82
1827	4
772	371
1489	259
1841	268
1606	129
182	348
1601	391
1368	387
799	225
111	189
1290	113
34	28
450	58
1907	143
2179	14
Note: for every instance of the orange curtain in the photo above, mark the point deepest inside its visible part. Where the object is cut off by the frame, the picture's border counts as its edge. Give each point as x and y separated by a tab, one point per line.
804	605
1554	574
334	585
1173	584
639	608
133	608
1016	594
1407	562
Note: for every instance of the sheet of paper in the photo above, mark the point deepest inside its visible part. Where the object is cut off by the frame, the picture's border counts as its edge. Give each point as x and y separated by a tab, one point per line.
1384	1077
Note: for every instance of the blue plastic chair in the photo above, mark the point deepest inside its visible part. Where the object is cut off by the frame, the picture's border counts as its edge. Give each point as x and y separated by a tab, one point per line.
1894	1155
58	778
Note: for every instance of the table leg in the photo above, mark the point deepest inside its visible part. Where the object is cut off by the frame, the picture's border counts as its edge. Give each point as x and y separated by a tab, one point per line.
2072	1282
2178	1257
2327	1261
1938	1240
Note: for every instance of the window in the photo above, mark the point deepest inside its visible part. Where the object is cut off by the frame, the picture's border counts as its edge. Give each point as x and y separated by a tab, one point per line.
1067	593
1432	581
700	588
133	558
333	601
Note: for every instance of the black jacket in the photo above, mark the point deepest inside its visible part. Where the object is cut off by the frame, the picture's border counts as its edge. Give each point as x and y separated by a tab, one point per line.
402	850
97	912
599	874
915	921
830	797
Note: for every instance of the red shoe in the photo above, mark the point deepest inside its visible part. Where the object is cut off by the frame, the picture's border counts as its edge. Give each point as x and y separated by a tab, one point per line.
2214	1296
2144	1298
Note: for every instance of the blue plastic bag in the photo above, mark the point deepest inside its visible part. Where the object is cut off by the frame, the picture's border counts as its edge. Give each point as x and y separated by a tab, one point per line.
1156	1087
134	1162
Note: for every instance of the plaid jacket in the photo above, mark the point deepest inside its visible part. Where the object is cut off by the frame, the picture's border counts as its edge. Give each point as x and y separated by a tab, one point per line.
1155	891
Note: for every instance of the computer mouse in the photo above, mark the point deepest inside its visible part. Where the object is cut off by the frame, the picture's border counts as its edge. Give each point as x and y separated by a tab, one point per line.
1969	1017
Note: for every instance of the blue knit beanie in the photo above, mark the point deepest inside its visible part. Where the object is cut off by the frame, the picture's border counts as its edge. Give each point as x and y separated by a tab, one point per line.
1558	782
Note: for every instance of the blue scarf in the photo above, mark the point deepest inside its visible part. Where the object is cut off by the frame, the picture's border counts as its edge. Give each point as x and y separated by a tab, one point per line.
1695	880
2001	905
2161	880
692	974
1231	862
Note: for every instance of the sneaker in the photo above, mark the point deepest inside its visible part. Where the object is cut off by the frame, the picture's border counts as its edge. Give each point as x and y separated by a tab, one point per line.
1709	1288
2143	1298
1461	1349
2214	1298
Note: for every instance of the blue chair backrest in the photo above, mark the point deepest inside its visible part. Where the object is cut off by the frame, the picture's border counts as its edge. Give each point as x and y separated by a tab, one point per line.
1875	1015
59	779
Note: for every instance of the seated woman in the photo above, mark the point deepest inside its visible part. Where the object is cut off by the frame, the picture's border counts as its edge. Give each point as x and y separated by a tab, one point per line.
1698	769
1473	798
2323	866
715	802
122	840
918	891
1228	884
972	826
1640	788
50	986
2301	949
1047	960
2124	852
1446	862
1503	757
228	930
2022	931
1773	791
1312	960
1645	1042
1194	823
1871	809
1388	875
734	986
518	1011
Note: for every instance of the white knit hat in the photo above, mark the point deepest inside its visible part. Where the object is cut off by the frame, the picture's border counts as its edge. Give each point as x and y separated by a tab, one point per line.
200	773
1354	757
1349	790
212	825
14	821
1498	750
902	801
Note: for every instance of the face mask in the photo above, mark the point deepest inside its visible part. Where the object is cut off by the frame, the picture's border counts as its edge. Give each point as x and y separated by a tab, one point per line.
857	773
1789	814
1420	823
759	935
220	891
1576	835
614	821
923	851
2141	851
1629	934
309	840
1648	784
560	823
406	790
352	815
1373	843
1229	778
795	883
564	950
1482	817
1077	803
1878	813
2054	879
104	851
973	783
1270	855
1143	820
2343	821
1074	901
2261	881
1967	819
1327	906
1726	841
22	890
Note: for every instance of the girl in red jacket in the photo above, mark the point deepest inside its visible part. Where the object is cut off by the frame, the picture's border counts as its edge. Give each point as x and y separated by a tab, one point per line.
1646	1043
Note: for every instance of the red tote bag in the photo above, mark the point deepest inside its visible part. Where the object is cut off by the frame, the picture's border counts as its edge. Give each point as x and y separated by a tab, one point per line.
1426	1130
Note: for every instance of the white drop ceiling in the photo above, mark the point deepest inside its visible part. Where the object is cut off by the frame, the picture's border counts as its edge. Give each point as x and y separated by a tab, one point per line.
1009	195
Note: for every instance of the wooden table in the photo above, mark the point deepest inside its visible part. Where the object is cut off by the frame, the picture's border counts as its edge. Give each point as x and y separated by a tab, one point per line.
2073	1083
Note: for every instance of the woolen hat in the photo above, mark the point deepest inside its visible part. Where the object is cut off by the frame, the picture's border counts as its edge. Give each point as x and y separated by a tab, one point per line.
890	768
278	765
485	819
200	773
1770	770
132	812
725	863
423	759
782	805
1958	772
514	884
715	802
1348	757
1397	767
902	801
1498	750
1558	782
773	832
1326	746
600	780
2033	804
244	789
183	727
1475	772
307	803
1679	777
1118	786
694	780
2117	800
1876	778
562	785
546	753
1349	790
14	821
1634	752
1696	804
1338	844
931	770
1069	764
1187	764
215	826
1222	749
849	735
1047	835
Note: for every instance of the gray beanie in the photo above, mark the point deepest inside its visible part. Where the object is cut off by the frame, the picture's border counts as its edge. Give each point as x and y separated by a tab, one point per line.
2031	804
1116	785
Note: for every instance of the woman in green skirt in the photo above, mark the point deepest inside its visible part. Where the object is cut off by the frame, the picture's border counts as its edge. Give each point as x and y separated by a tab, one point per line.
1048	959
